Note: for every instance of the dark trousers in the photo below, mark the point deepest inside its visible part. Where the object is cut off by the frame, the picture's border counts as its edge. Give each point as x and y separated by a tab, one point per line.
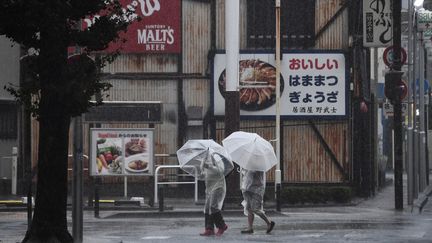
214	219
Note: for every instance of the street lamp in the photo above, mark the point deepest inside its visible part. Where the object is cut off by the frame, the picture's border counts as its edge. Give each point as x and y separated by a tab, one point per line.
418	4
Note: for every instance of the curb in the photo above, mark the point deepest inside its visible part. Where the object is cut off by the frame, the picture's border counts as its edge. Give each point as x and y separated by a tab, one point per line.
183	214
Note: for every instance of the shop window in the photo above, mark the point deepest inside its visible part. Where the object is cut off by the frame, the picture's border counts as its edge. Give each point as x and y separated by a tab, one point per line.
297	24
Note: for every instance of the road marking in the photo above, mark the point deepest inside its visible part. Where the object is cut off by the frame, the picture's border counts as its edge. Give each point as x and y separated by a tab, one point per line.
318	235
11	201
354	235
112	237
155	237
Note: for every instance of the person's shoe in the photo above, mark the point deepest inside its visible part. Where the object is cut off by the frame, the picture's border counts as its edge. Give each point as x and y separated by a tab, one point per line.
221	230
247	231
208	232
270	228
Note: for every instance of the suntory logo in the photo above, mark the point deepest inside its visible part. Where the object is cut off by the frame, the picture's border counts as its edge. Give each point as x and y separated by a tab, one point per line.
146	8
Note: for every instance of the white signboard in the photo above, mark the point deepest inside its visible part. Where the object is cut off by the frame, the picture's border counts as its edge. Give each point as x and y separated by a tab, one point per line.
377	23
427	34
388	108
312	85
121	152
424	20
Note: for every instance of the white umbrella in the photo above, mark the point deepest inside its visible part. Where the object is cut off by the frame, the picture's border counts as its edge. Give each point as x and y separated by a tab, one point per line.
250	151
198	151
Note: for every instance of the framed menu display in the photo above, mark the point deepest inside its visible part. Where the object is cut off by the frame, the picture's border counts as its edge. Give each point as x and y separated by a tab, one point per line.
121	152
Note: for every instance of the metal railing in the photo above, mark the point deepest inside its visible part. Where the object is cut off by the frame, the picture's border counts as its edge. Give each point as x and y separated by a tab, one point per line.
157	183
84	157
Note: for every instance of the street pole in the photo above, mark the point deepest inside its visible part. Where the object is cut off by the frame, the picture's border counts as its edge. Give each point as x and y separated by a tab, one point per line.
397	106
232	96
232	36
415	144
77	197
77	177
374	88
422	134
409	160
278	64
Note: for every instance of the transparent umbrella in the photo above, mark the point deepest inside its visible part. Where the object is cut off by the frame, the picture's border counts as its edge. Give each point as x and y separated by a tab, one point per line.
195	152
250	151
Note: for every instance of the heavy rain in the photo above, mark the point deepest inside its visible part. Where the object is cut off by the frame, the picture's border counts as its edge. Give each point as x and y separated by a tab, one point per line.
215	120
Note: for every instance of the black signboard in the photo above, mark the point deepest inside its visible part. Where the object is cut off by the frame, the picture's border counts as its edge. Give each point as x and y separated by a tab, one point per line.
125	112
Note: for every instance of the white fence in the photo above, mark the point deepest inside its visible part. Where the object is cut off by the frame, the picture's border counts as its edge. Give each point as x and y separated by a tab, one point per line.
157	183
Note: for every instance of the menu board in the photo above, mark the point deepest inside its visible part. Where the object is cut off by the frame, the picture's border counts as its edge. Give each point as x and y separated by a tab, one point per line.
121	152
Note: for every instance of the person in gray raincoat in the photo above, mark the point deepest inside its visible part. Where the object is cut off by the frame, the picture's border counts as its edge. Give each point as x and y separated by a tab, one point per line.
212	172
253	189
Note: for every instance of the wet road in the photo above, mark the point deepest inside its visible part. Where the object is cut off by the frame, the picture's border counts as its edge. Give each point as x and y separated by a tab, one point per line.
328	224
372	220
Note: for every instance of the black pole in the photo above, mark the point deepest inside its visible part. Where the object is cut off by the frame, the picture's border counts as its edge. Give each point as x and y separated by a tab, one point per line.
26	159
278	196
397	118
96	197
232	124
29	200
77	183
161	199
25	143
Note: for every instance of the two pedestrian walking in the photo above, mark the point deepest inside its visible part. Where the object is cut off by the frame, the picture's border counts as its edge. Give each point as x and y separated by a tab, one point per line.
211	162
252	187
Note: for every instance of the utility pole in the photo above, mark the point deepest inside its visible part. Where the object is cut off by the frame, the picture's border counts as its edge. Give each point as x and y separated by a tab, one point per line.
397	105
232	96
411	77
278	64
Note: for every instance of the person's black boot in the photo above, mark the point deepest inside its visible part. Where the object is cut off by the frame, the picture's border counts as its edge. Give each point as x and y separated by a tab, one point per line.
209	225
220	223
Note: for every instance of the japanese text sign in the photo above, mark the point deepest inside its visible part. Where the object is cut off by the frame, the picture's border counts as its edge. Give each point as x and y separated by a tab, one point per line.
121	152
388	108
157	32
311	84
377	23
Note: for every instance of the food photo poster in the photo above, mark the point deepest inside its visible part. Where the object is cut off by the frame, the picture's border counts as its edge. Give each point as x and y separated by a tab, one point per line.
121	152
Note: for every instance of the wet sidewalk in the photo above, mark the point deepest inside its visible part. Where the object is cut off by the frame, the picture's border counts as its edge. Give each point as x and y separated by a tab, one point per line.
384	199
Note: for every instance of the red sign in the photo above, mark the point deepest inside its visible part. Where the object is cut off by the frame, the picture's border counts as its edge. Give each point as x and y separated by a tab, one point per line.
388	56
157	32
